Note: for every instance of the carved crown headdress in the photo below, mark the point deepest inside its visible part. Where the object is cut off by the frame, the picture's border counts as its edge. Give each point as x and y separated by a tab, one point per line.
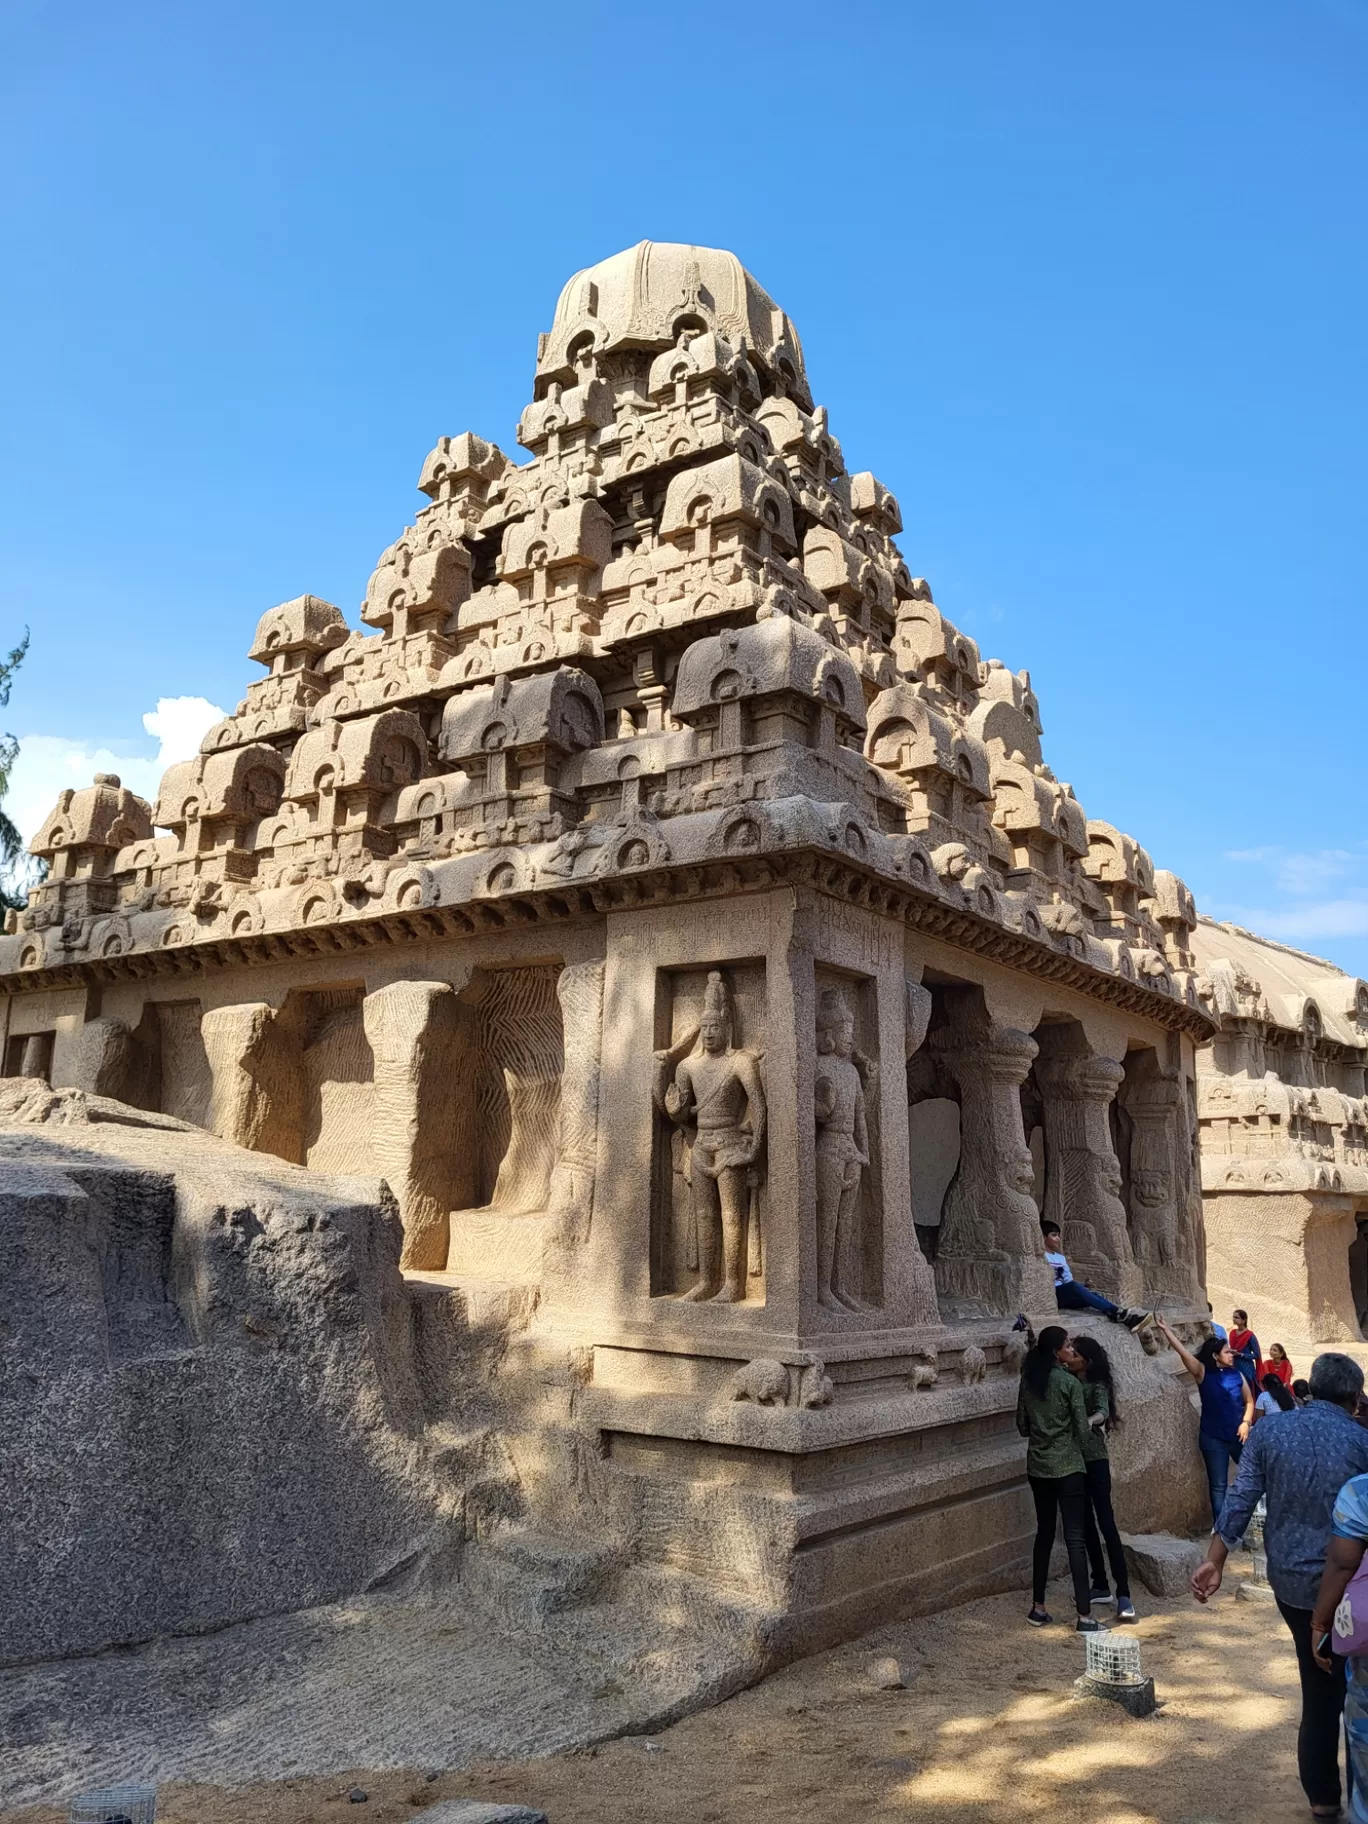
717	997
833	1010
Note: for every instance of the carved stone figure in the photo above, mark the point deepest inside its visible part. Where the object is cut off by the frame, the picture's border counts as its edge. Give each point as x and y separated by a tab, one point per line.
842	1143
973	1365
718	1097
762	1381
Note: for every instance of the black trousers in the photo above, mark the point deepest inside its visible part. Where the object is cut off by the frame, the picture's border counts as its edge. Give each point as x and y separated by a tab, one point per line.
1056	1498
1100	1516
1318	1734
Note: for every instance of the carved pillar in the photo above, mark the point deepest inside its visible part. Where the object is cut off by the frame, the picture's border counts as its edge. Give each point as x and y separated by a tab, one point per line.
1082	1173
414	1032
258	1095
580	991
1160	1147
990	1258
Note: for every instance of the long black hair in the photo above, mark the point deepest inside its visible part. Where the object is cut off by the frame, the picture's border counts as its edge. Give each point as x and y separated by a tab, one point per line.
1271	1384
1040	1358
1097	1368
1208	1352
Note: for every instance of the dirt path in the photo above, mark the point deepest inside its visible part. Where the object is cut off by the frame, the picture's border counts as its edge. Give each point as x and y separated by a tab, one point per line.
985	1733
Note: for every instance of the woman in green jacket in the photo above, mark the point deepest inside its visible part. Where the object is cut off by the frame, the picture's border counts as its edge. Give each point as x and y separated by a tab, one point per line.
1053	1419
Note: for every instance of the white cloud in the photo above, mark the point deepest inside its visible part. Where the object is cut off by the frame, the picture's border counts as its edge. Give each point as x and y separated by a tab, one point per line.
1301	908
48	763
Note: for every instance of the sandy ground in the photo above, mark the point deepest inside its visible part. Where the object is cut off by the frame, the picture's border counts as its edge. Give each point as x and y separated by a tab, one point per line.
986	1732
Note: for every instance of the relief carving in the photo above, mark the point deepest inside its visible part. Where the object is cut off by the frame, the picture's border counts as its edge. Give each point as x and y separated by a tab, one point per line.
717	1101
580	991
842	1145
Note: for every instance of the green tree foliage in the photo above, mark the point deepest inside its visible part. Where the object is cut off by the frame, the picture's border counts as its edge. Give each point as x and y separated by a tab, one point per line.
11	842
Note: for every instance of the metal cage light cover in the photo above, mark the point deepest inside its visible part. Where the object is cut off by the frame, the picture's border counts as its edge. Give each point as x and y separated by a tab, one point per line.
1113	1659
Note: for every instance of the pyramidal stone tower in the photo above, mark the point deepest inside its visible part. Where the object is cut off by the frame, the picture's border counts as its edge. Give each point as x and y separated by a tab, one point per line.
679	914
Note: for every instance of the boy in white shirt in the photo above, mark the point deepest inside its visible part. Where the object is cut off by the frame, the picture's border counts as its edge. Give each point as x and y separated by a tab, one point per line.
1071	1296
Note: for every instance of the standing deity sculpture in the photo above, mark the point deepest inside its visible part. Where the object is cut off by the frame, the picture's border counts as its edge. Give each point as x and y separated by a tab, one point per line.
842	1144
717	1098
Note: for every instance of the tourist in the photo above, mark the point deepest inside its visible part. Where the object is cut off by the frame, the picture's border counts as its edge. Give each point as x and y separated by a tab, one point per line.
1298	1464
1301	1392
1227	1410
1053	1417
1244	1346
1278	1364
1093	1367
1071	1296
1343	1558
1274	1398
1216	1329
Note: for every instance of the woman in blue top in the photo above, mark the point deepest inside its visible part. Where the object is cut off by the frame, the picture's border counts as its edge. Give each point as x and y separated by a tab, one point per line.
1227	1410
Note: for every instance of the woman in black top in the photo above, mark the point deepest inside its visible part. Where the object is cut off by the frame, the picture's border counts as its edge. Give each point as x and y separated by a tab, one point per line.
1092	1365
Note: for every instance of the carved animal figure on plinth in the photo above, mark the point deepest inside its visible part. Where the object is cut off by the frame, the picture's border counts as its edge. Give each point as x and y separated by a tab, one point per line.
973	1364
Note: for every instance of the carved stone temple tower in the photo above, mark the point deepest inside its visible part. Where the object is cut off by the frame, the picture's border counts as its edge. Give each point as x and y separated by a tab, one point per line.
678	913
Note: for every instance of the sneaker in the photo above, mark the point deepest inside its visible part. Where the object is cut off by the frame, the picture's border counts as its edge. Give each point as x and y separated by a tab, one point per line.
1136	1320
1125	1609
1101	1594
1040	1618
1089	1624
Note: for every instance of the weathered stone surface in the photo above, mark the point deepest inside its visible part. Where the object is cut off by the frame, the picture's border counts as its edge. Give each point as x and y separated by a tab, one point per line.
210	1406
1162	1563
1283	1130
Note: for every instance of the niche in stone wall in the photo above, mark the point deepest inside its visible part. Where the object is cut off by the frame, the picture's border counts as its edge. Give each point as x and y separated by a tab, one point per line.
849	1192
179	1081
933	1128
338	1081
1358	1270
505	1112
708	1217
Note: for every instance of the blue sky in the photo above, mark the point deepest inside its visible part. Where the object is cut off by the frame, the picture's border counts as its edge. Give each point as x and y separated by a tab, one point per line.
1085	285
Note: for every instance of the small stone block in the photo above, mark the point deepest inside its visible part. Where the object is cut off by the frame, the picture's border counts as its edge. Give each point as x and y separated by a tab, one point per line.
1136	1700
1249	1591
886	1674
478	1811
1162	1563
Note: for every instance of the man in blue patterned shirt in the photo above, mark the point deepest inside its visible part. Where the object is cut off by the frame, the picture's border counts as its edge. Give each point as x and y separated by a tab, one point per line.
1298	1462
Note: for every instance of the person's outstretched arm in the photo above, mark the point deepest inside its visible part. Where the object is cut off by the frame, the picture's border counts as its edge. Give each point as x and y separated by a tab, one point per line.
1189	1361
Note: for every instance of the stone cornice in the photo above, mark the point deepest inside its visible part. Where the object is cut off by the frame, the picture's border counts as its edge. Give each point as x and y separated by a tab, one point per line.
563	903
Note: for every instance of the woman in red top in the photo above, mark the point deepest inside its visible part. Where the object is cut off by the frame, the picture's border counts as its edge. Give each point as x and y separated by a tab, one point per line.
1244	1346
1278	1364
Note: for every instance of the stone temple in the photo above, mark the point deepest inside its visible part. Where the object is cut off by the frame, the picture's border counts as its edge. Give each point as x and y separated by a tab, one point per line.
678	914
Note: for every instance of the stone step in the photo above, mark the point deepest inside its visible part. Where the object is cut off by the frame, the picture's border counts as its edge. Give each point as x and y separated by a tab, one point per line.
528	1575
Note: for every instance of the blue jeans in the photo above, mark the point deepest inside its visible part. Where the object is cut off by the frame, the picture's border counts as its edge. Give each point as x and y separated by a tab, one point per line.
1218	1454
1073	1297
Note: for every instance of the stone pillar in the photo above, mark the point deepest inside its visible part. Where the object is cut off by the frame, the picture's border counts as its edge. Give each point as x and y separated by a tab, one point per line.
258	1094
415	1030
991	1259
1082	1173
101	1060
1155	1103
